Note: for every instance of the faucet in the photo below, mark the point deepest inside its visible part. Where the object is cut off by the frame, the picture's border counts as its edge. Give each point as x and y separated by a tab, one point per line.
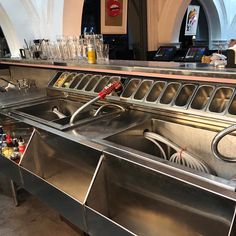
101	95
10	85
216	140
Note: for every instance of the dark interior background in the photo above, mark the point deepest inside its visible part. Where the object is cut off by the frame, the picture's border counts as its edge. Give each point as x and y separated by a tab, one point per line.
132	45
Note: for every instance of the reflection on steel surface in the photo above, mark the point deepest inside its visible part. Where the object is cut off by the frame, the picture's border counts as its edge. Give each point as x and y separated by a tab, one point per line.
143	90
156	91
130	88
202	97
185	95
220	100
169	93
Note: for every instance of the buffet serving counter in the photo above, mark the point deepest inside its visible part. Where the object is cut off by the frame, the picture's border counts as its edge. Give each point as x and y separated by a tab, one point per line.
140	158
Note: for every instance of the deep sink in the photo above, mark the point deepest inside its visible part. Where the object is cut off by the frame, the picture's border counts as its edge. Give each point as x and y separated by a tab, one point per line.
42	112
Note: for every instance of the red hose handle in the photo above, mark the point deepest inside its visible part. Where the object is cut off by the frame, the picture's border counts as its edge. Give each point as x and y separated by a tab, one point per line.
109	88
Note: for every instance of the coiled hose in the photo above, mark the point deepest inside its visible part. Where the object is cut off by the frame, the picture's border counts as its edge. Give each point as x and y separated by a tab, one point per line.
181	156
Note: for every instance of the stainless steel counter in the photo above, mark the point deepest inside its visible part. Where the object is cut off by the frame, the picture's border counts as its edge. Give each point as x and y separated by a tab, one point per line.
145	68
103	174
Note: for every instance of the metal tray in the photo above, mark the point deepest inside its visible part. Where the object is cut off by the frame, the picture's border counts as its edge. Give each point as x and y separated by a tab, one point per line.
84	81
155	91
220	100
92	83
76	80
185	95
170	93
131	88
202	97
143	90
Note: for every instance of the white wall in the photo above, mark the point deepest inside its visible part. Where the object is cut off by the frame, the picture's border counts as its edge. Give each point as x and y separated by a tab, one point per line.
164	18
32	19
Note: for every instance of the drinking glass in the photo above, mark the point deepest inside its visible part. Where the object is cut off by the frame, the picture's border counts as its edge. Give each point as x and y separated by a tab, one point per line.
79	48
98	39
71	44
44	48
102	51
55	51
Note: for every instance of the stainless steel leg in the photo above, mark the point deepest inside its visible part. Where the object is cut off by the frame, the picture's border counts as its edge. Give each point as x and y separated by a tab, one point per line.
14	193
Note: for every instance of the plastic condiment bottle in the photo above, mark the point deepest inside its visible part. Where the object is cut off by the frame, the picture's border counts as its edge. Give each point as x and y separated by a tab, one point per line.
21	146
9	140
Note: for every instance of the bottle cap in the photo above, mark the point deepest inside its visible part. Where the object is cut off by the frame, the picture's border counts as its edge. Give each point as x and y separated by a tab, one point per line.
15	142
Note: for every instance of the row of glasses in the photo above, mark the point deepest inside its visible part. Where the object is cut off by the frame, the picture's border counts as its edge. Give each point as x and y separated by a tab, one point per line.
69	48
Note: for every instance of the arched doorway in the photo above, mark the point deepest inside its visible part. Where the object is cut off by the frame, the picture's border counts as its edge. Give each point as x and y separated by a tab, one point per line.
4	48
202	36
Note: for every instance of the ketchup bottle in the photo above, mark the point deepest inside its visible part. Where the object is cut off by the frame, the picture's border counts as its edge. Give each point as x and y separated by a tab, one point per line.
9	140
21	146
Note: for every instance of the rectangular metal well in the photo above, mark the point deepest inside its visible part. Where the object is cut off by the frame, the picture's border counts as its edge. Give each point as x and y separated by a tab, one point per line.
185	95
170	93
156	91
220	100
59	172
129	199
202	97
195	140
131	88
143	90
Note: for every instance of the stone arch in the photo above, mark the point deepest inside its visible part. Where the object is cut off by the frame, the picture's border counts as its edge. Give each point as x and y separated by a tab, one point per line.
216	17
215	14
9	32
232	29
171	25
21	19
72	17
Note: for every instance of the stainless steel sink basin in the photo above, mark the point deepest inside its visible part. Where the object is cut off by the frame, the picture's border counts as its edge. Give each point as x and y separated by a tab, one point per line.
195	140
43	112
44	109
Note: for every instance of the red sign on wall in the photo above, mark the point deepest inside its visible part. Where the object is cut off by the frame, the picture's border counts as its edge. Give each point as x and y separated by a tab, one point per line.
114	8
114	16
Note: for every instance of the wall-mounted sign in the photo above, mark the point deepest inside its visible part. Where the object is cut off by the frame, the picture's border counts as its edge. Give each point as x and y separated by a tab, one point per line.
114	16
192	20
113	8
